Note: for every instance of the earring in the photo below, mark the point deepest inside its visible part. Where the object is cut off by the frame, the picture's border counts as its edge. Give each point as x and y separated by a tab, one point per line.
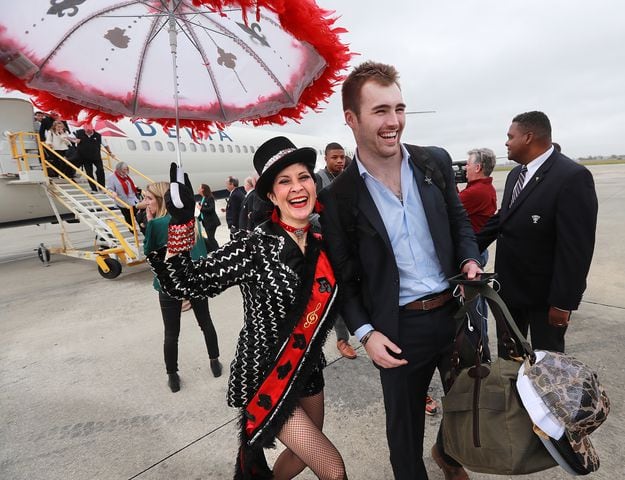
275	217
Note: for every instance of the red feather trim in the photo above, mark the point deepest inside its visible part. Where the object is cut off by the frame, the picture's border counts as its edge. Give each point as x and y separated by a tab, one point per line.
303	19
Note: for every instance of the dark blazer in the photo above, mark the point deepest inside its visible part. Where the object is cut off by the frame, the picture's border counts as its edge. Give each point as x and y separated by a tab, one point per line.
233	207
546	240
362	254
210	220
89	146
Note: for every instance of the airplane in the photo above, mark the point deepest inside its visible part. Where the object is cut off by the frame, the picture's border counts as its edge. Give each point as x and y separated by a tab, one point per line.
147	148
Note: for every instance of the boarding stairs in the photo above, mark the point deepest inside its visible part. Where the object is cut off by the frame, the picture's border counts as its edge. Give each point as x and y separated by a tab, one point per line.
115	241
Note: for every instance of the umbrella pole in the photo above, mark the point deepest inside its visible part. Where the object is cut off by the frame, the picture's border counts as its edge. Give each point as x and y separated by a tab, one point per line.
173	43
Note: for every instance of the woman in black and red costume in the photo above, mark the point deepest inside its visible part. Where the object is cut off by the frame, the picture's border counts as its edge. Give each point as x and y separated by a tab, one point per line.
289	292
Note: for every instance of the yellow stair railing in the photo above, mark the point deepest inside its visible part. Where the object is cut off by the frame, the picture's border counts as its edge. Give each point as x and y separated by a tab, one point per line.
129	255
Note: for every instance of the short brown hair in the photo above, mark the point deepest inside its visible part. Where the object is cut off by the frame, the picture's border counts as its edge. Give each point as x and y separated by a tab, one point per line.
380	73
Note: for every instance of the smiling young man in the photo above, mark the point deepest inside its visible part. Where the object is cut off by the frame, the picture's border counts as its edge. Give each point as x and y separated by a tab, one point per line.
396	230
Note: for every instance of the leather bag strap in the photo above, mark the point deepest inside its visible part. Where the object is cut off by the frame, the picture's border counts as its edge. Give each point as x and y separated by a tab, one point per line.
500	312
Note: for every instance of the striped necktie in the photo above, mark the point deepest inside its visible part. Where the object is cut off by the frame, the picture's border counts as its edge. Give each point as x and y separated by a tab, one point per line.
518	186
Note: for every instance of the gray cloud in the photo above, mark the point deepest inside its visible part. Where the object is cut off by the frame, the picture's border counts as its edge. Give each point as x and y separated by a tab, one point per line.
478	63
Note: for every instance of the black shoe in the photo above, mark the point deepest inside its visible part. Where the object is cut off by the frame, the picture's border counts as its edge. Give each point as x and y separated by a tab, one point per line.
174	382
215	367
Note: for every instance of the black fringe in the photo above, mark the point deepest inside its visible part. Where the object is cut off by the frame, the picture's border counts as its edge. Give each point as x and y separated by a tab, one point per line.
252	464
253	457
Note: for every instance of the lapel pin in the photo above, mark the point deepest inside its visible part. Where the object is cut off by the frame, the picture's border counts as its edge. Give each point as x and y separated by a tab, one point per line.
535	218
428	180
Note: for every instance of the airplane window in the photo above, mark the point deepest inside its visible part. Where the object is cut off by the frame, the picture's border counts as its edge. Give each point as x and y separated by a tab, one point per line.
252	149
212	147
131	144
193	147
183	147
158	145
229	147
221	148
145	145
170	147
237	148
244	148
202	147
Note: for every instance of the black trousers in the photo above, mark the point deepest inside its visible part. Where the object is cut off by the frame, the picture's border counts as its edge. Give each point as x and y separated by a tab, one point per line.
126	213
88	164
211	242
536	321
60	164
171	309
426	340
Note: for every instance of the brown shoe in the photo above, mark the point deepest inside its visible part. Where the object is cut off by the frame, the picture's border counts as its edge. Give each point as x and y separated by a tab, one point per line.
450	472
346	349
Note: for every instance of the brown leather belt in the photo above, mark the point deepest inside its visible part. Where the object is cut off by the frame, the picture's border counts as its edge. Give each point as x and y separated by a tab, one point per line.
430	303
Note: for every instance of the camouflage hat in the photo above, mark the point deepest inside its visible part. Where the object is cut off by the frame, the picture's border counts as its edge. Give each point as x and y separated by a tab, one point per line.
572	394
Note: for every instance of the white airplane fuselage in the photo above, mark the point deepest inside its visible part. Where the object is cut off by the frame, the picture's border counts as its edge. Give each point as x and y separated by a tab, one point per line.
148	148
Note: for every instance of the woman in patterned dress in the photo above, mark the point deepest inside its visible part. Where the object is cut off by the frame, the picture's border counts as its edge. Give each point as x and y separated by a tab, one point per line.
289	292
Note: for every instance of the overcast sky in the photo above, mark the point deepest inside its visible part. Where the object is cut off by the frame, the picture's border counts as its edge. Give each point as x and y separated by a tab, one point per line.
478	63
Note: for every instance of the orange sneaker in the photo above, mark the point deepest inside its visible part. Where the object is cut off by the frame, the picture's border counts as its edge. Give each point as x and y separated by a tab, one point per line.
431	407
346	349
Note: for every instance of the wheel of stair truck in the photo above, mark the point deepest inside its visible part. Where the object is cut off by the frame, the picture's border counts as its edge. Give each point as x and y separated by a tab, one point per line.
115	268
43	253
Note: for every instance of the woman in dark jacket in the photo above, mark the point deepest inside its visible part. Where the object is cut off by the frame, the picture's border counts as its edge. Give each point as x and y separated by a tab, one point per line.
289	290
208	217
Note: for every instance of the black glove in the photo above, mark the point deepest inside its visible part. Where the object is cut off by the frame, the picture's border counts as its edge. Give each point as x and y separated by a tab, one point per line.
179	199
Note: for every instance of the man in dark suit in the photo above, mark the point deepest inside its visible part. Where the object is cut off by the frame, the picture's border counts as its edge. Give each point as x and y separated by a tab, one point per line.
234	203
395	233
89	155
545	232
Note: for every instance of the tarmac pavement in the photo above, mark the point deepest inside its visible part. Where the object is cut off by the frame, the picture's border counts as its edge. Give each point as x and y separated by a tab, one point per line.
83	389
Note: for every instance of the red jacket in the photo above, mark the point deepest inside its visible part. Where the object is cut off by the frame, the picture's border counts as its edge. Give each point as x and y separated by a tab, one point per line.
480	201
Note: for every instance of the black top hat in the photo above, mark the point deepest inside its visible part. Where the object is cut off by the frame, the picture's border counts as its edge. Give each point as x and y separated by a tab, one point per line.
275	155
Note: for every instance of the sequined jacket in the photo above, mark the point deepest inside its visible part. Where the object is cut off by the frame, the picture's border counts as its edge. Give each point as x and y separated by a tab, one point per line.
270	288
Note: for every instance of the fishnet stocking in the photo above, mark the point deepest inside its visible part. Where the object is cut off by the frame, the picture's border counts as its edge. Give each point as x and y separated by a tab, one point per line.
306	445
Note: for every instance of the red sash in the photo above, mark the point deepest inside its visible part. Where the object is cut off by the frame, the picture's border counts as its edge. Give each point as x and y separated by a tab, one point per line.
276	387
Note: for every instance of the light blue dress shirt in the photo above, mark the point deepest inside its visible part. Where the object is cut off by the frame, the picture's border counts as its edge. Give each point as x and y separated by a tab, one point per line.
420	272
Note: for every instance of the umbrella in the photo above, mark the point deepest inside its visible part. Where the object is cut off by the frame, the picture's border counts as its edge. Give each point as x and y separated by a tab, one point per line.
200	63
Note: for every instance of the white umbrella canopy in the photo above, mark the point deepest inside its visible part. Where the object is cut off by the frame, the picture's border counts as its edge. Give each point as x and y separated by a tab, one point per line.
205	62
